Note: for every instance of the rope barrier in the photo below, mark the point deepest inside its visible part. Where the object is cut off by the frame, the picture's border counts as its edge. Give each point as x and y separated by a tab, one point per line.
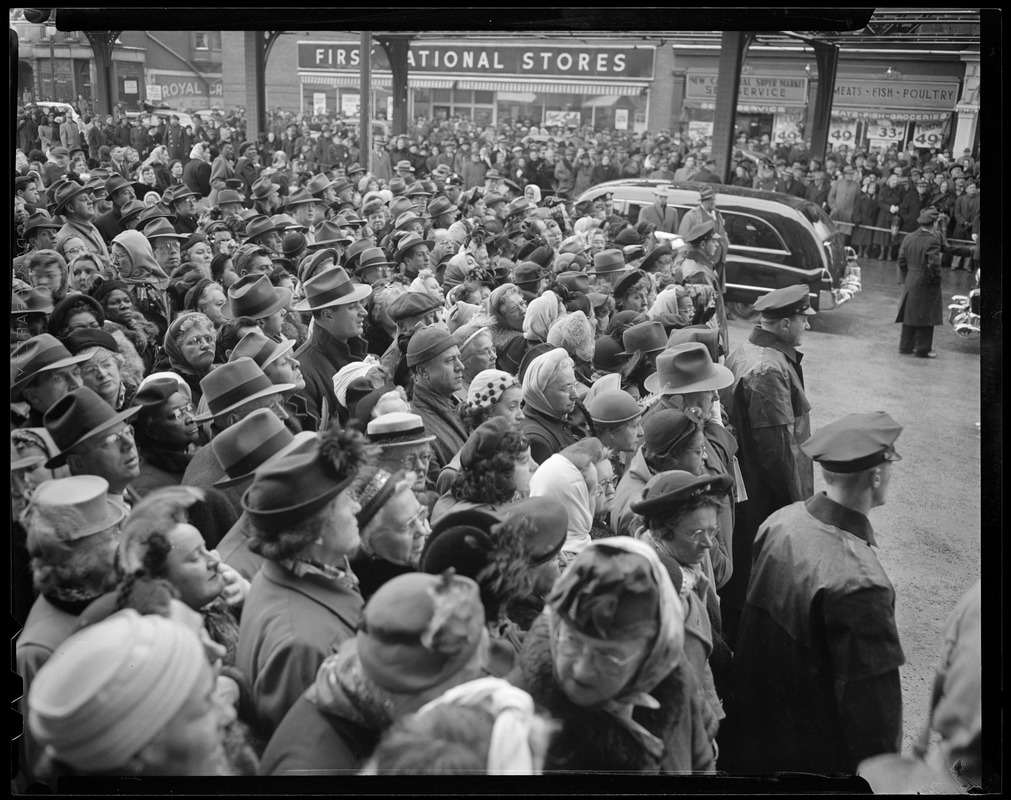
852	225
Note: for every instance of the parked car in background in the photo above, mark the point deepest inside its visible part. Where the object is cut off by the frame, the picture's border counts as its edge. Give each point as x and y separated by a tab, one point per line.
775	240
151	116
53	109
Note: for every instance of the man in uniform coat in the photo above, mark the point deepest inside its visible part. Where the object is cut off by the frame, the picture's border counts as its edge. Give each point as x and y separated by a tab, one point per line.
816	664
770	412
920	308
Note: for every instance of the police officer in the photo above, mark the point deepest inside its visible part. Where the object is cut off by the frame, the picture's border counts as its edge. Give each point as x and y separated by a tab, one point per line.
816	664
769	409
920	308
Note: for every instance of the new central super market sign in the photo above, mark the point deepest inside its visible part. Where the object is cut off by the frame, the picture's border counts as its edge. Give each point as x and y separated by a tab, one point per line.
497	59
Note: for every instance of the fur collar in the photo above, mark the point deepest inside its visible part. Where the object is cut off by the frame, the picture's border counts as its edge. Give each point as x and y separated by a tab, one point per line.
589	739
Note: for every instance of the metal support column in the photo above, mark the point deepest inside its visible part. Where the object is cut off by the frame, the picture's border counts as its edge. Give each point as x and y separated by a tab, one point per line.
365	107
734	45
102	44
827	56
396	47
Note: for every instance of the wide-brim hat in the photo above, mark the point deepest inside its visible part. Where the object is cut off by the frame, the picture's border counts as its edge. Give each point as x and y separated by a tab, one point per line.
77	416
441	205
297	198
66	192
178	192
39	220
406	219
259	225
261	348
404	165
227	197
328	234
256	297
243	447
371	258
263	187
398	428
114	183
161	228
31	301
410	241
607	262
231	385
131	210
645	337
89	495
332	287
687	368
664	492
42	353
710	337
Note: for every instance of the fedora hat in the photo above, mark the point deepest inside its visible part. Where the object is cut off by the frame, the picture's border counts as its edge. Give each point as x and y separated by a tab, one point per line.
299	197
328	234
607	262
88	495
493	174
687	368
354	168
255	296
179	192
575	281
398	428
646	337
42	353
348	218
161	228
66	192
227	197
341	184
417	189
517	207
405	219
285	222
38	221
31	301
332	287
259	225
262	187
247	444
129	211
234	384
370	258
312	264
318	184
152	213
398	187
710	337
408	242
355	249
261	348
78	416
441	204
116	182
404	165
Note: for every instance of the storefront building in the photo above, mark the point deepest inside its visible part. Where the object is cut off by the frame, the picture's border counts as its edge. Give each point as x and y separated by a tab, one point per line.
548	82
879	100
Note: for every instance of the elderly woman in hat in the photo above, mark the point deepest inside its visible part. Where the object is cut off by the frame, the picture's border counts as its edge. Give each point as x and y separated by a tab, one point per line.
189	349
393	525
508	310
420	636
131	695
680	511
105	371
606	659
304	601
165	431
73	530
549	396
495	469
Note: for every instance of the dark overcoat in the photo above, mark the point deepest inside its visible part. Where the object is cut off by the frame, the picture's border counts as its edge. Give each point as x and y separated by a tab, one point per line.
920	267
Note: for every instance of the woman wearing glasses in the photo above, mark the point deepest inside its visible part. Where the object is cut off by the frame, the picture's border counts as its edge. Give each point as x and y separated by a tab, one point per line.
165	432
189	348
606	659
681	512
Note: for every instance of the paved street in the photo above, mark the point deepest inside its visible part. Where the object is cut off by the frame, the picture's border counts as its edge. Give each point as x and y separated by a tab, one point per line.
929	531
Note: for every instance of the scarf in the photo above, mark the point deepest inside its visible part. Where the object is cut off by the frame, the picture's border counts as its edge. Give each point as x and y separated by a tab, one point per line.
342	689
539	374
558	479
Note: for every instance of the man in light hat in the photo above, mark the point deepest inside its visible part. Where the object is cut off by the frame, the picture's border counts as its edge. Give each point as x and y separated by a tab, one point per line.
338	317
664	217
434	359
920	308
771	414
820	606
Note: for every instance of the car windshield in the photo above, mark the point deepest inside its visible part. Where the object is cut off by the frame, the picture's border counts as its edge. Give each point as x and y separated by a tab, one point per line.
823	226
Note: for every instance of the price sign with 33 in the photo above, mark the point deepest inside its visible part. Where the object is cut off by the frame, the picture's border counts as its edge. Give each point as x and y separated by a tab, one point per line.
889	133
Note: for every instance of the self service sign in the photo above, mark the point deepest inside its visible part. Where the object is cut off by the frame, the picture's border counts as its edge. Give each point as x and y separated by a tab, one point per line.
493	59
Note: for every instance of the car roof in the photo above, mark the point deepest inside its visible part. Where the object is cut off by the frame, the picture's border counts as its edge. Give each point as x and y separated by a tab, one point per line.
748	197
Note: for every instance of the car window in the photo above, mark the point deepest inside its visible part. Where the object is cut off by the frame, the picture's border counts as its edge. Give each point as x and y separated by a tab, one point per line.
751	232
823	226
629	209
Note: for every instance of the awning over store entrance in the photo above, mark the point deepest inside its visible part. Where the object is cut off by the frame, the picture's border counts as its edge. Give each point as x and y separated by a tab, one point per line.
747	108
600	102
382	81
905	115
613	89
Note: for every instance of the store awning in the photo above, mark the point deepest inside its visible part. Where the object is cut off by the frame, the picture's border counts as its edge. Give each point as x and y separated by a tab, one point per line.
905	115
600	102
382	81
613	89
747	108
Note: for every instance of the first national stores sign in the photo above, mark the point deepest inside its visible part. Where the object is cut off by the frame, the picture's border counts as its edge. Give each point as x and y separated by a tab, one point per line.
497	59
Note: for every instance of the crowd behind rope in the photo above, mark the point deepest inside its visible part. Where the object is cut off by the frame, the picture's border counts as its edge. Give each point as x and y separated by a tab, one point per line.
402	462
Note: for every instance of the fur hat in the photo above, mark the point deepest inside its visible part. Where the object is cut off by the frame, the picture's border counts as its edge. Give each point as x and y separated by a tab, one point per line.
573	332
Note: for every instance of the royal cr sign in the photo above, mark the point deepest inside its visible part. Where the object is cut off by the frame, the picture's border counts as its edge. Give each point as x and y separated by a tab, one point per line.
498	59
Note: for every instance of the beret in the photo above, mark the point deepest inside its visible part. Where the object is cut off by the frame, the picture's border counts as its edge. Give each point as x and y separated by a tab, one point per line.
855	442
83	338
427	343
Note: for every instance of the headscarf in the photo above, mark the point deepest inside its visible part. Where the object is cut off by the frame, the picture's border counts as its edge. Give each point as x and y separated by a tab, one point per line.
143	265
487	388
348	373
177	361
539	374
541	312
590	575
96	259
496	298
561	481
667	303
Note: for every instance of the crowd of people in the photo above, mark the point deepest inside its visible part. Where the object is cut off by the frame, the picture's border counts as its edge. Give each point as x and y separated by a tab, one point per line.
322	466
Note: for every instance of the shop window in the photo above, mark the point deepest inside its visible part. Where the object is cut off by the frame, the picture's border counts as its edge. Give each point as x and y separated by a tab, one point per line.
752	233
463	97
485	98
442	95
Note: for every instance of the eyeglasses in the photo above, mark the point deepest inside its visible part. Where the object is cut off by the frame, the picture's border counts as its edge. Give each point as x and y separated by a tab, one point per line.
180	413
114	440
419	524
413	460
609	483
602	663
170	246
696	536
196	341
